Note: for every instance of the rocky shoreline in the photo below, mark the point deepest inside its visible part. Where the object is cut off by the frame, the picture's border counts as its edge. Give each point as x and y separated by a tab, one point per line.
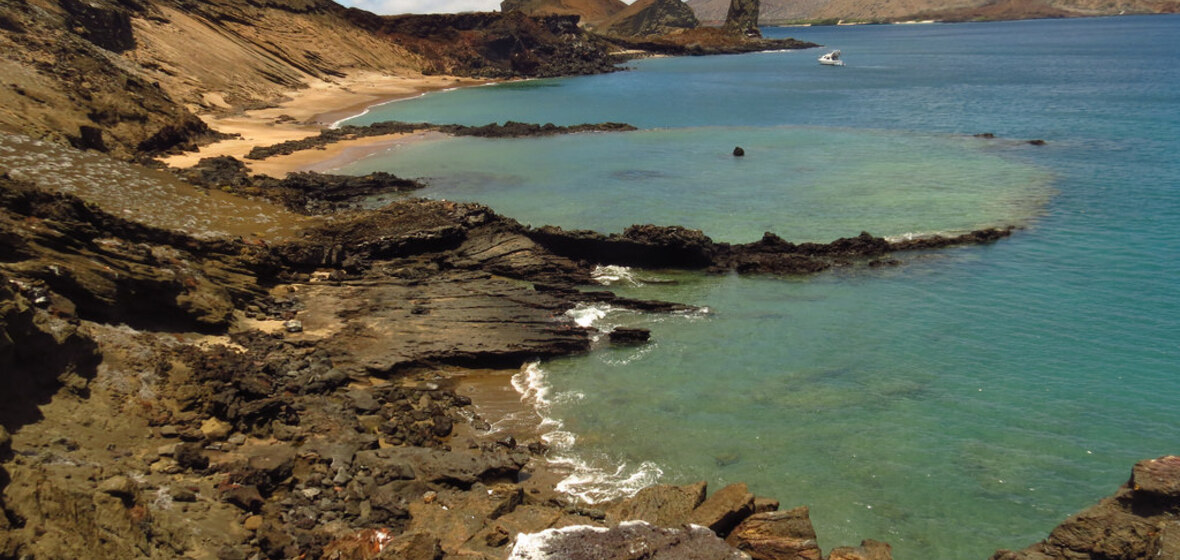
169	393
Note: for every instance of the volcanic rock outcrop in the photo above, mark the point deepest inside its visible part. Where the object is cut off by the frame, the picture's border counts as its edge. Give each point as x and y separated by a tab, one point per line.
591	12
742	17
646	18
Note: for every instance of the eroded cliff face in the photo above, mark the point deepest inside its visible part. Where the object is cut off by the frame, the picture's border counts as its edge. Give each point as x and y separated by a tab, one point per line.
647	18
127	77
591	12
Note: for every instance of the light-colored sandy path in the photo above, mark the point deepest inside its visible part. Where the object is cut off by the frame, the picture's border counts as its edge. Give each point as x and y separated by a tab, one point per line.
306	113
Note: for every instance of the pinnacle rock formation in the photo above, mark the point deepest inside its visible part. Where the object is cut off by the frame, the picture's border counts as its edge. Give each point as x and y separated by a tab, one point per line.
743	17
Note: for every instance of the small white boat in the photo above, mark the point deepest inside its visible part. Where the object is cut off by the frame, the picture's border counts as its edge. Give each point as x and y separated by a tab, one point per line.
831	59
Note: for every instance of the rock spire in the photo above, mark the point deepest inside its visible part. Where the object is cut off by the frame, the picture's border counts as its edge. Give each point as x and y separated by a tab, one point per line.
743	17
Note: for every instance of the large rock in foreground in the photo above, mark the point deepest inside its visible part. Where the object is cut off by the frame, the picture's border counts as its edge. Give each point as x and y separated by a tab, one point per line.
1137	523
626	541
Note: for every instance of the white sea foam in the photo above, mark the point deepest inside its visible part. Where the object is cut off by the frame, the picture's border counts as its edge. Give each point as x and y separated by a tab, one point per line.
534	546
586	315
593	484
912	235
587	481
369	109
613	274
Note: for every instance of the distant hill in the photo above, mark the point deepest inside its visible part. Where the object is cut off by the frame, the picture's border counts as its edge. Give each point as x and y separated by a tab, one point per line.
713	11
592	11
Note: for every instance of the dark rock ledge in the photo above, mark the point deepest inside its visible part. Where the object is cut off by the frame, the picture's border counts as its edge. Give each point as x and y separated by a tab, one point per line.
509	129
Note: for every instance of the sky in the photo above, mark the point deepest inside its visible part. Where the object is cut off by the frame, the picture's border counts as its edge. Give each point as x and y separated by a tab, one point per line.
386	7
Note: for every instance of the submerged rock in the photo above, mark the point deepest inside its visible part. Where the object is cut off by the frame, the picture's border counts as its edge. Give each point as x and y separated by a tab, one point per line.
629	336
868	550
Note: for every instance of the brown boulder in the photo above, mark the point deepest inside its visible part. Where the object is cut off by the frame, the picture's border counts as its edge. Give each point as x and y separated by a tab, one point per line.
1160	477
412	546
725	509
777	535
663	506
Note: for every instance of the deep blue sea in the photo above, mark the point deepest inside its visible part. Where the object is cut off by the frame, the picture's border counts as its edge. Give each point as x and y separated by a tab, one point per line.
968	400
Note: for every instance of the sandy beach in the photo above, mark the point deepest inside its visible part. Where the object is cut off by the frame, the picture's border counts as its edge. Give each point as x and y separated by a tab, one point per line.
308	111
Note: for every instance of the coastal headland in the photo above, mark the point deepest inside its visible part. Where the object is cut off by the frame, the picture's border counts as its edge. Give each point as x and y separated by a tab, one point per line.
216	353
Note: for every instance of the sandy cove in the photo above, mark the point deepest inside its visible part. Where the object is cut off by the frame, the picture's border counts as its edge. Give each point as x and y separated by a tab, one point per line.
308	111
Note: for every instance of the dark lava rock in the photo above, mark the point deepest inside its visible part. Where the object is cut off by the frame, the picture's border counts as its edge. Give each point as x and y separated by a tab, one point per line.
384	465
106	24
625	336
1037	142
738	151
742	17
778	535
623	542
363	401
191	456
246	497
217	172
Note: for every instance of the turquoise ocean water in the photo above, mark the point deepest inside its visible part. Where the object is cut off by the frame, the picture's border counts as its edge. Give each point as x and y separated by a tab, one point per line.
967	401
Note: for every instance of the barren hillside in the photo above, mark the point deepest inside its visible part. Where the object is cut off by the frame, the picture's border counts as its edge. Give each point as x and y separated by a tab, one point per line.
893	10
147	66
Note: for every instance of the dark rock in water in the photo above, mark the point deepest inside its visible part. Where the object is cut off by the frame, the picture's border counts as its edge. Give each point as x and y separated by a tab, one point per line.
624	335
622	542
650	17
663	505
725	509
738	151
742	17
778	535
868	550
1037	142
985	135
1136	523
